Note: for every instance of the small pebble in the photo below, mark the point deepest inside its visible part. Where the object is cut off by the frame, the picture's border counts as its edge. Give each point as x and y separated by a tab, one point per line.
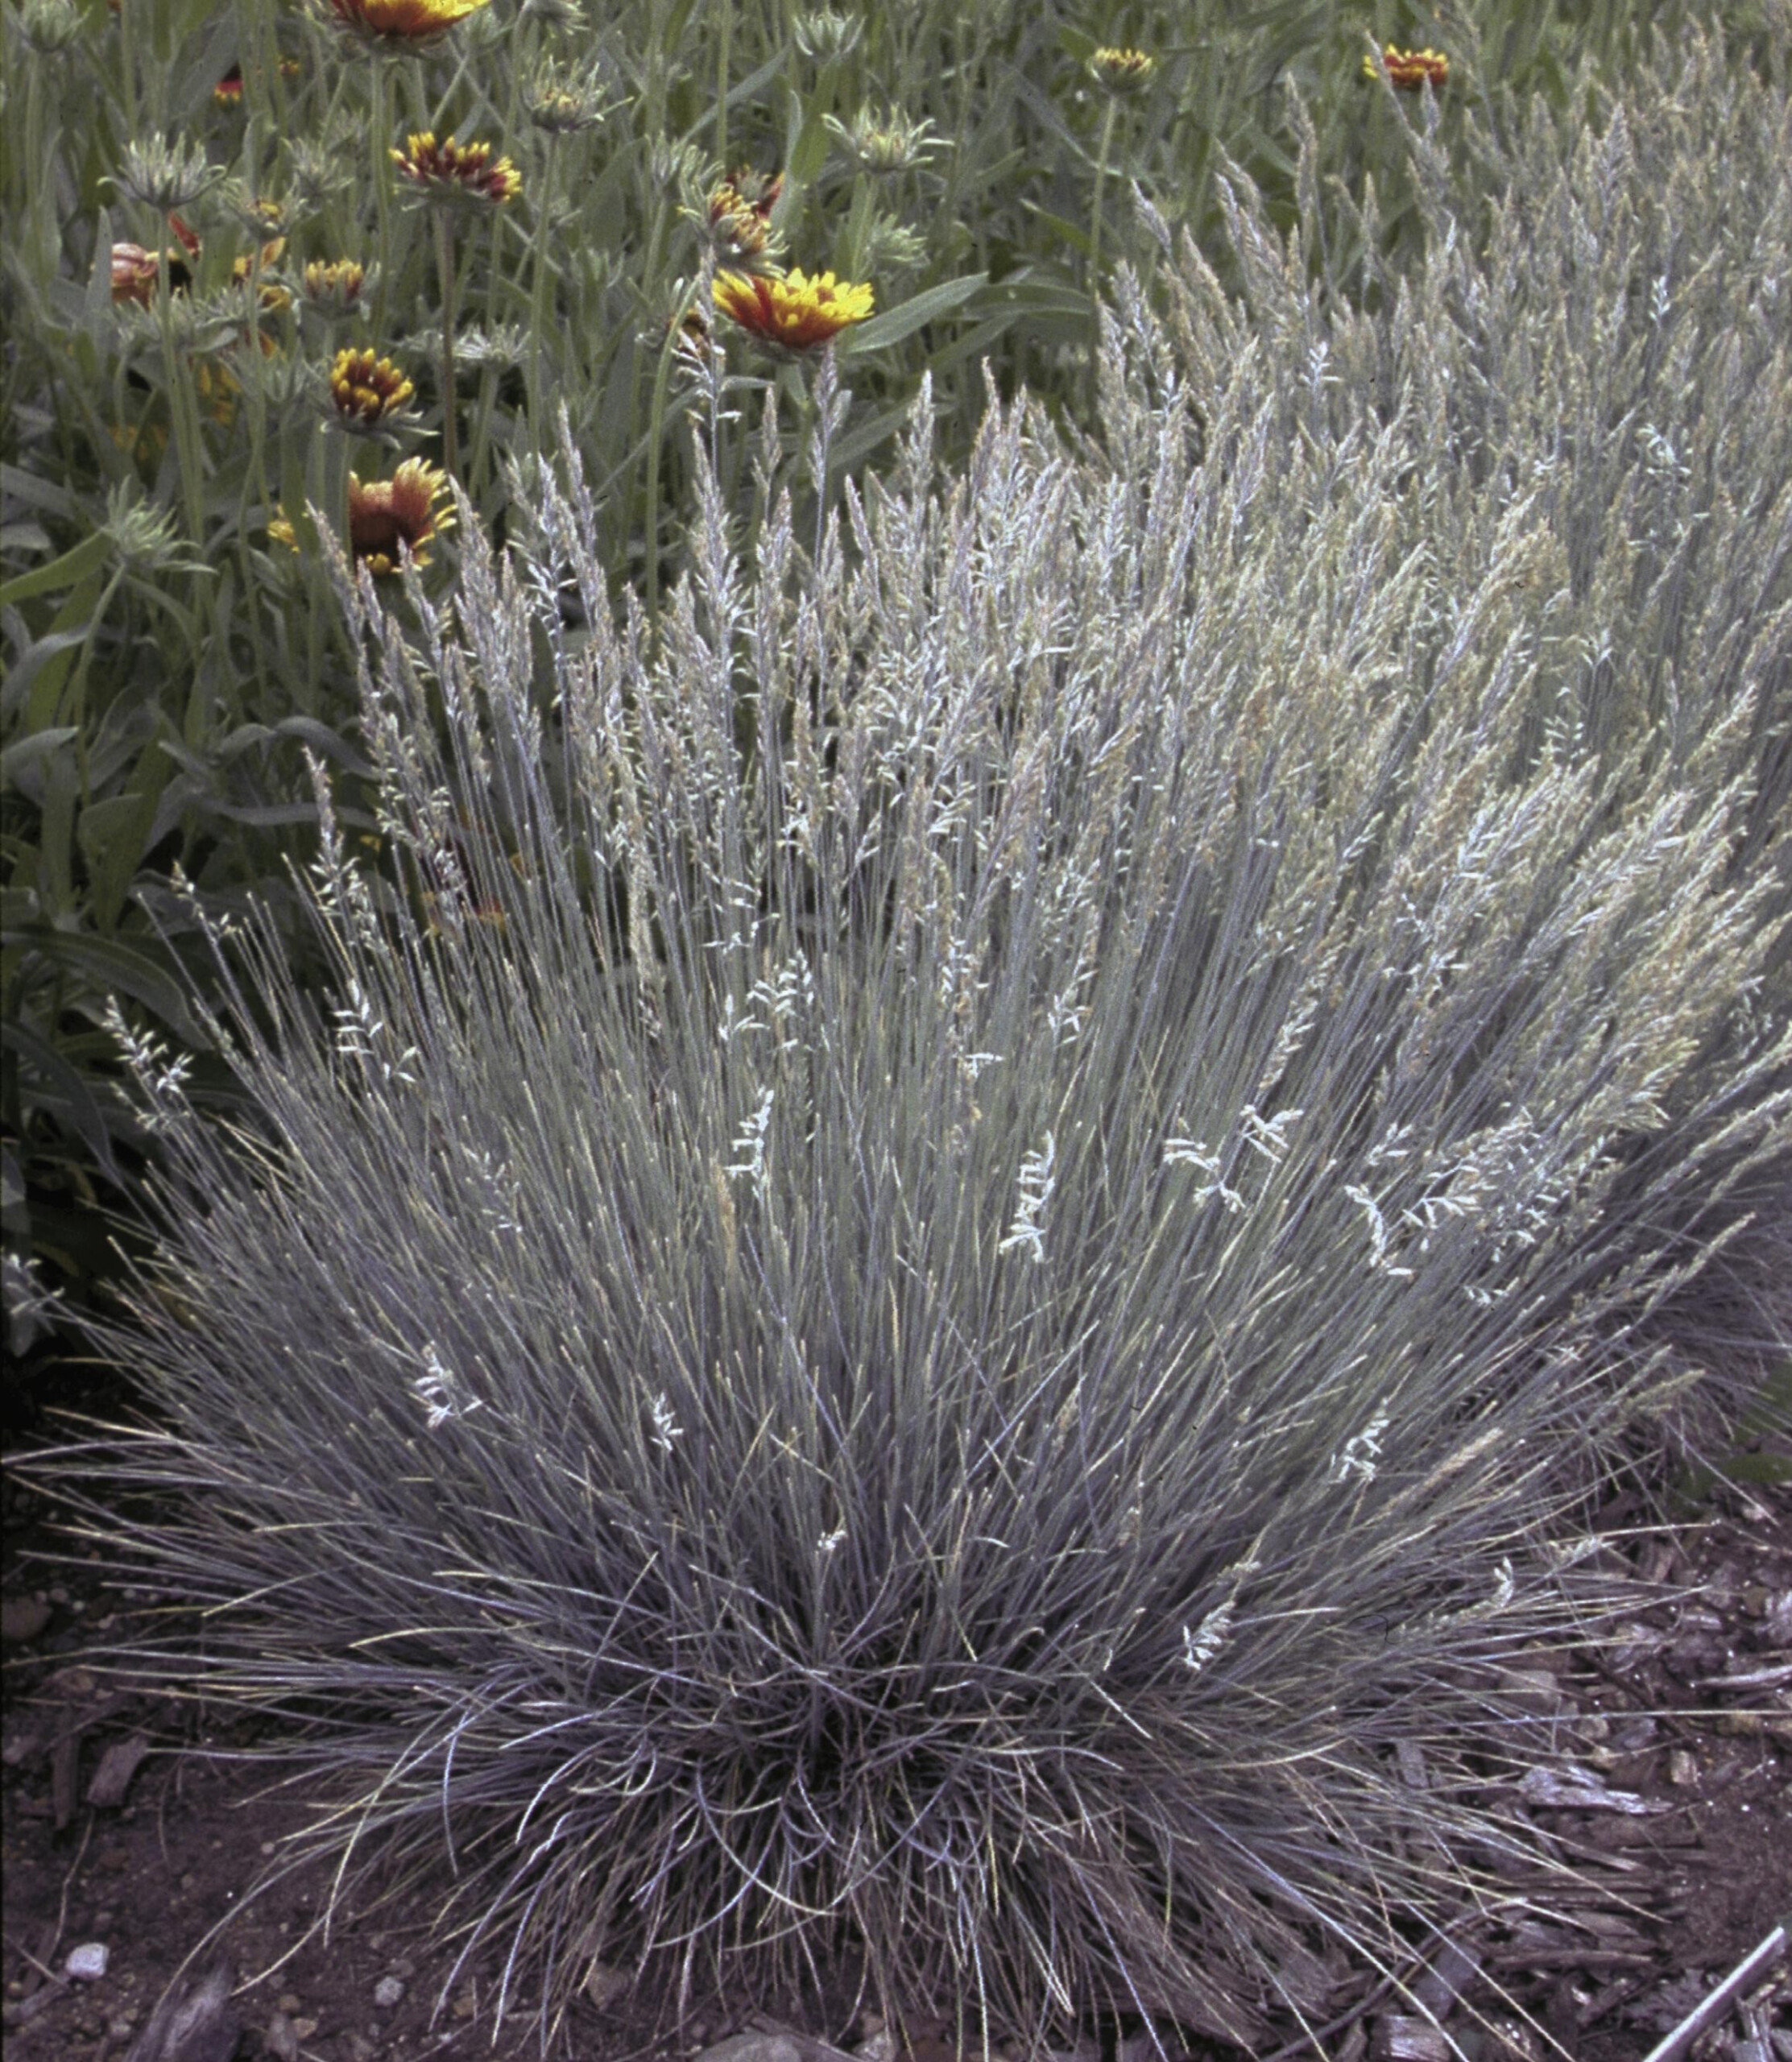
22	1618
87	1963
388	1992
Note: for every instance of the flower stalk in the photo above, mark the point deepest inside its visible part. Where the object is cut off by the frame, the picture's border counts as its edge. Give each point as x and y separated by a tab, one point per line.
446	265
540	275
1109	115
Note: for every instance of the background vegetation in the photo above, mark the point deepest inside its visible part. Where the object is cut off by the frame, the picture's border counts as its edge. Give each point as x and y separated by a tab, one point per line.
167	663
957	1161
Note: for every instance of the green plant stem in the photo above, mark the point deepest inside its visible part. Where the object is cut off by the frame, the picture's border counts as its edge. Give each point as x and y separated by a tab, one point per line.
538	285
332	496
444	260
381	125
724	10
477	465
1094	240
177	377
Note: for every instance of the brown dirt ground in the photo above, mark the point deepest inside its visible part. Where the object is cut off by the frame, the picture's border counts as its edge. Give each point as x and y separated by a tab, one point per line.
1693	1884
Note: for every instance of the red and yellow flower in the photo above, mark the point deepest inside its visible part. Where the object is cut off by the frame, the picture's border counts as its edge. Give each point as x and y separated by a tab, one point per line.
1123	72
136	272
407	512
791	310
452	170
1408	69
333	286
403	21
367	390
740	233
388	517
228	92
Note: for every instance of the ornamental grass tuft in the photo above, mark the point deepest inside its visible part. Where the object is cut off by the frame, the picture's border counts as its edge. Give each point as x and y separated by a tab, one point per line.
952	1271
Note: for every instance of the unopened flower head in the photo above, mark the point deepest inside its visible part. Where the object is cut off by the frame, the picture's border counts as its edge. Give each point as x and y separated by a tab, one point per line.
49	25
793	311
165	177
885	143
1408	69
893	245
1122	72
388	517
397	22
695	349
739	232
827	35
334	287
760	191
259	217
679	168
368	391
502	347
146	538
448	171
317	172
565	103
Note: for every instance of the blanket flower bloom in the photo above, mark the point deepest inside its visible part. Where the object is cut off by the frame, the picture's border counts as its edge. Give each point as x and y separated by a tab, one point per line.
448	171
1408	69
740	232
334	286
404	513
793	310
399	22
1123	72
387	518
368	390
135	272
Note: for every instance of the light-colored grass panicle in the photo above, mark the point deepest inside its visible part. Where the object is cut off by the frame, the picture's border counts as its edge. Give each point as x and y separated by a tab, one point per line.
965	1235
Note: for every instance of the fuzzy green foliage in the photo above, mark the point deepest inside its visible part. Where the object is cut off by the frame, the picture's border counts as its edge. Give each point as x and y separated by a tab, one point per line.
963	1235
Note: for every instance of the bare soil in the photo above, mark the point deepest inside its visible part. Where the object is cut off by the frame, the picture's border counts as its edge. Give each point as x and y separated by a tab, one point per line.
130	1823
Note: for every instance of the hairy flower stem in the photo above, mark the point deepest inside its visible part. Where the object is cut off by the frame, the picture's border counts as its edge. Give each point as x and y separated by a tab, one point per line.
1095	242
444	260
179	375
725	14
381	125
538	285
333	492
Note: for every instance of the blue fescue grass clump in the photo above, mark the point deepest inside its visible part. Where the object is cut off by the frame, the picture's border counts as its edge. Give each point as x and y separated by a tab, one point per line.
955	1263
